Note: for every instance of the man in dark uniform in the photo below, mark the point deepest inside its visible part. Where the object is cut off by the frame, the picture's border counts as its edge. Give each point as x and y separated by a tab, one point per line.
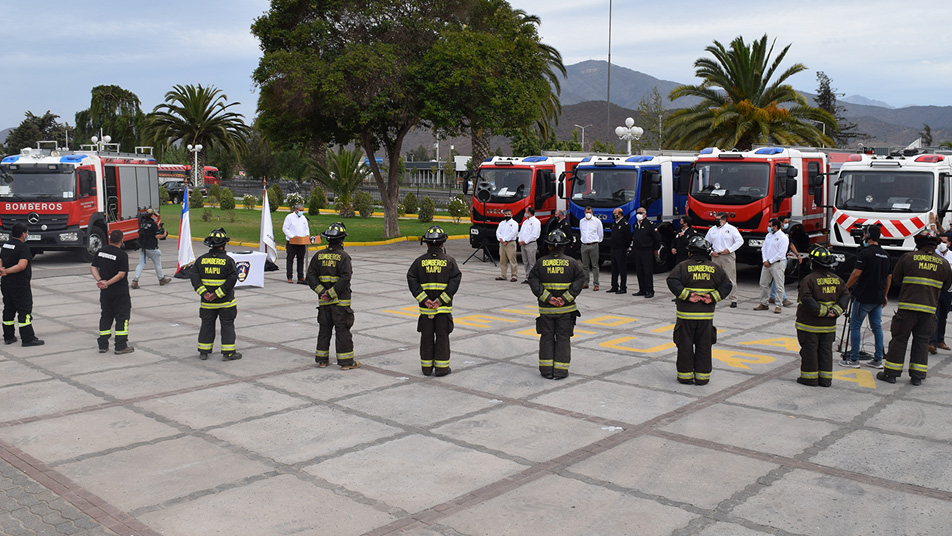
556	280
149	234
214	278
619	241
15	274
680	247
923	275
822	299
433	279
644	245
110	269
697	284
329	275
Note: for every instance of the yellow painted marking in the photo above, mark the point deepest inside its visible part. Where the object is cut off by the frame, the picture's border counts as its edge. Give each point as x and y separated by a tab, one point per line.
532	333
528	310
609	320
617	344
411	311
863	378
787	343
741	359
481	321
662	329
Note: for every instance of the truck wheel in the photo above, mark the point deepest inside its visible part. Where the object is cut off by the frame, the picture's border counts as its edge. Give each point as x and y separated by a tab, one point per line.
664	262
97	239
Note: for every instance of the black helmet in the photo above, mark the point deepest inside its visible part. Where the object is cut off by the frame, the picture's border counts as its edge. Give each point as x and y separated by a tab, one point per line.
697	245
926	238
217	238
434	236
557	238
336	231
822	256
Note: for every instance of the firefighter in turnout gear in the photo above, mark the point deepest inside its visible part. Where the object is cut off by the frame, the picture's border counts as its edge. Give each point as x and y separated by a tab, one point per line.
697	284
823	298
214	276
556	280
110	269
923	275
433	279
16	270
329	275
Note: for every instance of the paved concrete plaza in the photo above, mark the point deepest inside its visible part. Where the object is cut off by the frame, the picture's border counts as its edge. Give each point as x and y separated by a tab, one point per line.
159	442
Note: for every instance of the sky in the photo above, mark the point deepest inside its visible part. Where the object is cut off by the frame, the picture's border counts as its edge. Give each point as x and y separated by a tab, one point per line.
52	57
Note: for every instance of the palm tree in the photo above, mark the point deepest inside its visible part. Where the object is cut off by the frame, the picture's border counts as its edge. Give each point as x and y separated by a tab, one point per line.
342	174
741	106
198	116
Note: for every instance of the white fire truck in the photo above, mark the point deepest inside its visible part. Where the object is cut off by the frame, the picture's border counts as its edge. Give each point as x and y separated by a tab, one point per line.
72	200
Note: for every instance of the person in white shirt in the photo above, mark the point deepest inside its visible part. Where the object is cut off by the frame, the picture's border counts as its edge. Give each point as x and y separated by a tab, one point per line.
506	234
528	234
725	239
774	255
591	234
295	226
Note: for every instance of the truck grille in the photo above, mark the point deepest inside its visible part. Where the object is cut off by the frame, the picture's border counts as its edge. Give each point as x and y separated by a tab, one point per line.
53	222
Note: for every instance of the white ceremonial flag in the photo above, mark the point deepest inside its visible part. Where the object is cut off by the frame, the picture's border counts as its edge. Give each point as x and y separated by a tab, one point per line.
267	244
185	254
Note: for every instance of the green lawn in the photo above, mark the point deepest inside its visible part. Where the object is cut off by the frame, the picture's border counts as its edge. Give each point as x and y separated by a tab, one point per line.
246	226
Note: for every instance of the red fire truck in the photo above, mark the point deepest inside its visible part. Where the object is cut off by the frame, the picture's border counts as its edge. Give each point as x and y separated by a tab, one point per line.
72	200
754	186
516	183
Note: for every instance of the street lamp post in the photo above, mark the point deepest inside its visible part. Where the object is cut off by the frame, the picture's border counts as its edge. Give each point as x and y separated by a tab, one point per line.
583	134
195	149
629	132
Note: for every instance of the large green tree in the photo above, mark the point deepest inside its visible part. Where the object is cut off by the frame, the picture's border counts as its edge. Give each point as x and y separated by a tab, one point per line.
197	115
845	130
744	100
35	128
344	172
113	112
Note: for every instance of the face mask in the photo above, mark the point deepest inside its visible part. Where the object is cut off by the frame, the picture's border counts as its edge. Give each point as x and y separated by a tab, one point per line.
507	218
640	216
943	248
786	226
720	223
298	213
865	243
771	230
588	216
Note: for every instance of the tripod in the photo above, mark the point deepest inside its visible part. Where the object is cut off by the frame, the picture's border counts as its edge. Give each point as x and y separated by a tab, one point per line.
845	336
484	249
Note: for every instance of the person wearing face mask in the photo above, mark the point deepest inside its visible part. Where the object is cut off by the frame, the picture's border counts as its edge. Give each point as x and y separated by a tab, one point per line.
680	247
725	240
645	241
945	299
298	236
785	227
619	240
774	255
869	283
591	234
506	234
528	235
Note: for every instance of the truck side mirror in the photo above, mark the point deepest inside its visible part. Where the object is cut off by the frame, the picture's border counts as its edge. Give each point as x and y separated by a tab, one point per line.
790	185
792	171
682	179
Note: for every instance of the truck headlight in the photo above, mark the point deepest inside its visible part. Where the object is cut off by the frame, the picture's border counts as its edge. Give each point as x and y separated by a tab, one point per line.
754	243
4	237
473	231
69	237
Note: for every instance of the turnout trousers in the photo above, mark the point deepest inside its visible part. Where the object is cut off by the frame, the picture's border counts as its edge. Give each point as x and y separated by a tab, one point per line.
920	326
336	320
555	343
18	312
116	309
435	342
694	339
206	334
816	357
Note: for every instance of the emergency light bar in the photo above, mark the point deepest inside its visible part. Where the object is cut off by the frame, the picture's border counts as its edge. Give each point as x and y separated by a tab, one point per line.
931	158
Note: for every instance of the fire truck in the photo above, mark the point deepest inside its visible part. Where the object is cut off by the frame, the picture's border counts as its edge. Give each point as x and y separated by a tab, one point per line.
173	178
896	192
516	183
754	186
629	182
72	200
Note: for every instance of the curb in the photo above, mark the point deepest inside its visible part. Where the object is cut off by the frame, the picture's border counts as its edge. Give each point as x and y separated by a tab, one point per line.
349	244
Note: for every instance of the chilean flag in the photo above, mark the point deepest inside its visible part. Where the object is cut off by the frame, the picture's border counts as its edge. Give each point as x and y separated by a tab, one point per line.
185	254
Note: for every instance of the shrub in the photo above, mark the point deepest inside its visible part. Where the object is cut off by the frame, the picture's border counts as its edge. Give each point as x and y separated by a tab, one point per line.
207	214
249	201
227	199
231	214
318	201
163	195
364	204
427	209
292	199
214	191
211	200
410	203
458	207
401	212
274	199
195	199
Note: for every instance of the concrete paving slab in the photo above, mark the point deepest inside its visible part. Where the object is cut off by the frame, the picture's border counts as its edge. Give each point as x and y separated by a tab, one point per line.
614	401
331	382
408	362
808	503
677	471
494	347
916	419
730	529
228	403
304	434
71	436
89	360
514	380
152	474
788	396
304	509
149	379
585	509
42	398
13	373
414	472
418	403
662	374
743	427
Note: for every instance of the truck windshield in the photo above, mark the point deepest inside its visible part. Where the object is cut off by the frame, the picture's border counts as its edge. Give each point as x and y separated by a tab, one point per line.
29	183
731	183
885	191
605	188
507	185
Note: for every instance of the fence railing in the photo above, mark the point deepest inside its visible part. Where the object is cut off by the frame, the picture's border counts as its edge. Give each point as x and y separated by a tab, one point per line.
240	187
